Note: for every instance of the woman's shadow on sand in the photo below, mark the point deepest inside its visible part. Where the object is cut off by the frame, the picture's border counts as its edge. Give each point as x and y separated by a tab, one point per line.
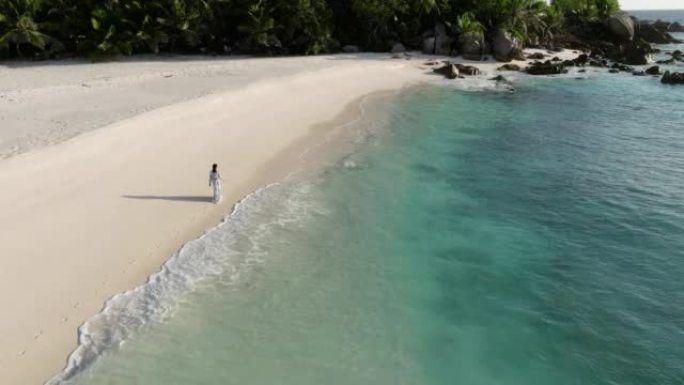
176	198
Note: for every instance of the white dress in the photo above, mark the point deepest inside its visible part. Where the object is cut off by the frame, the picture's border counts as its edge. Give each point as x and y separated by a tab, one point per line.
215	182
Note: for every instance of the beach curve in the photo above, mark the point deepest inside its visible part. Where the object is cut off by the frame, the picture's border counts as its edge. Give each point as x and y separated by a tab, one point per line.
146	188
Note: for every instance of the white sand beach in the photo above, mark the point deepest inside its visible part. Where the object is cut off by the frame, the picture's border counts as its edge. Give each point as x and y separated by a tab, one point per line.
104	169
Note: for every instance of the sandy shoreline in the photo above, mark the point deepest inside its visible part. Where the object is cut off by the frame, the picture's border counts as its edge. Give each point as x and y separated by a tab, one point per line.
96	215
93	216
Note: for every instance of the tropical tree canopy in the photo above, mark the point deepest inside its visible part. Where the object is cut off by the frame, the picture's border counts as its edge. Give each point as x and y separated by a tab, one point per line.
105	28
588	8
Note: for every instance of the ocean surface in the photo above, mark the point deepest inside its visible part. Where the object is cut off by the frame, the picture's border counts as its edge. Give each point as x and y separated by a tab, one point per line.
470	236
666	15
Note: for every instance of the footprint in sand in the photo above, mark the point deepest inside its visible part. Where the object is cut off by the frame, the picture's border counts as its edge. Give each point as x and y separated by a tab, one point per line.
76	304
64	319
38	335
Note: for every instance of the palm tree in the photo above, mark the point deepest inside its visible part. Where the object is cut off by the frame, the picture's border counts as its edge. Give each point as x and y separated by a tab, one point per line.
258	28
554	21
470	30
18	27
526	18
467	23
605	8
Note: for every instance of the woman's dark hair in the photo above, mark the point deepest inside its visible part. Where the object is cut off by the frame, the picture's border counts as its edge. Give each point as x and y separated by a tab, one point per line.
213	167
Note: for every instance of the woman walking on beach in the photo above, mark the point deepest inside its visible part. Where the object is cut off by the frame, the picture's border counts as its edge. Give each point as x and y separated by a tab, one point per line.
215	182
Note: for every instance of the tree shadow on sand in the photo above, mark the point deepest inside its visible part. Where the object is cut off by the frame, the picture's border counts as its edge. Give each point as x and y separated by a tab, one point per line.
176	198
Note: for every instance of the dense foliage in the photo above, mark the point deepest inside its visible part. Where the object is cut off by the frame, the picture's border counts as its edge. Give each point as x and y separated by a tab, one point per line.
104	28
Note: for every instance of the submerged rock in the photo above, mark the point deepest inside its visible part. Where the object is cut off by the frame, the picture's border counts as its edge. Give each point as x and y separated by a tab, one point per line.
673	78
655	70
622	67
503	83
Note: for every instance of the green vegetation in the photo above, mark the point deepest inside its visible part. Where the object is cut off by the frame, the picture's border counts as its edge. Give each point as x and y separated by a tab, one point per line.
18	27
110	28
589	9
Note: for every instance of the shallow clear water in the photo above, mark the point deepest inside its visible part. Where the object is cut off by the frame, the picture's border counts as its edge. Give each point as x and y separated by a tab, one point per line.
476	238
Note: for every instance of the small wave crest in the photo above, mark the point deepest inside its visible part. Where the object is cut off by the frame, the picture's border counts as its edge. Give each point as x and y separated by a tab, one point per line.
225	250
480	83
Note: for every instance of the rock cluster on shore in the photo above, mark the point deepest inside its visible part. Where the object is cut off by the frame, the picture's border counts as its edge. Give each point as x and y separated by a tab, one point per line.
546	68
623	38
616	43
667	26
509	67
455	70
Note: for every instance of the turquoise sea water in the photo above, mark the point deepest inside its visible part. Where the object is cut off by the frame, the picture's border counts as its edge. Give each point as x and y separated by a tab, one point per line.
469	238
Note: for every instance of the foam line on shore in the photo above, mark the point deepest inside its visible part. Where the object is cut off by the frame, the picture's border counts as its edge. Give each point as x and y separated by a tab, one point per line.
126	313
207	256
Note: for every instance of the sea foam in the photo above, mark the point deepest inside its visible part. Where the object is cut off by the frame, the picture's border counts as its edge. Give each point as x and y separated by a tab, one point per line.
480	83
226	250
